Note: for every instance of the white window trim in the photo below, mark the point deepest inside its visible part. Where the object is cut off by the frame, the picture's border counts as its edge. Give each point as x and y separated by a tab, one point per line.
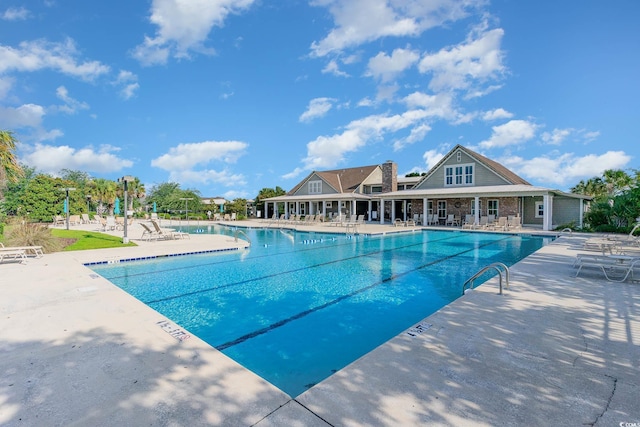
315	187
539	207
497	210
453	175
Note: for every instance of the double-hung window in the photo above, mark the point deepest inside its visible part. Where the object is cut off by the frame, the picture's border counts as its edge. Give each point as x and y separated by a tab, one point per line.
315	187
458	175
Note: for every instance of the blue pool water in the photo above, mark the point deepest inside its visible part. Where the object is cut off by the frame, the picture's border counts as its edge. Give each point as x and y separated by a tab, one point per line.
298	306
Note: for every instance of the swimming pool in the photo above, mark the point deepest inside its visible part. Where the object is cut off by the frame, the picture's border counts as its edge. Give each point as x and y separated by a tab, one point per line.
298	306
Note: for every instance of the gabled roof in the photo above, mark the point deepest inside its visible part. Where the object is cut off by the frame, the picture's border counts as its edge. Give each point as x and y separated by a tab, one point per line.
492	165
341	180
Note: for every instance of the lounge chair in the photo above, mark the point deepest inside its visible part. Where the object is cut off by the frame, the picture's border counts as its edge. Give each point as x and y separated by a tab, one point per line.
36	251
484	223
514	223
399	223
469	221
12	254
501	225
410	223
451	220
616	268
160	232
110	223
169	233
147	232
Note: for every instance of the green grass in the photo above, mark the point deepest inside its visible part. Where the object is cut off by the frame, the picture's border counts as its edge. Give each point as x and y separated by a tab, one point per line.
89	240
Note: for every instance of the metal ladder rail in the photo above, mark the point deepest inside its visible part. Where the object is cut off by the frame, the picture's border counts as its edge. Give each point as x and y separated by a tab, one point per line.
498	266
238	232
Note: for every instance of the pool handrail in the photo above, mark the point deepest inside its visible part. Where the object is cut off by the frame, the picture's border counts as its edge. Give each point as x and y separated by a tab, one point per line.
498	266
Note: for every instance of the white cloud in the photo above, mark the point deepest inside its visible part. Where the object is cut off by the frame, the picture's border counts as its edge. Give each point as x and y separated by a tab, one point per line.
385	68
478	59
556	136
71	105
235	194
417	134
497	114
6	83
186	156
15	14
363	21
563	169
128	83
438	106
328	151
183	27
513	132
41	54
25	116
52	159
432	157
332	67
207	176
317	107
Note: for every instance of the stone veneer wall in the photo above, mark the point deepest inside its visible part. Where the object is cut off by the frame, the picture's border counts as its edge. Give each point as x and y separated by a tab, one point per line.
389	176
506	206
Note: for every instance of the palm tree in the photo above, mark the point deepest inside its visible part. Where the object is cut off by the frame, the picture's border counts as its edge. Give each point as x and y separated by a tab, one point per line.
10	169
135	190
105	192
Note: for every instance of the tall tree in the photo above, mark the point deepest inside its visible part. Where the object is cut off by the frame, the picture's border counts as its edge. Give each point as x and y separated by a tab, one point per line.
135	191
10	169
104	192
266	193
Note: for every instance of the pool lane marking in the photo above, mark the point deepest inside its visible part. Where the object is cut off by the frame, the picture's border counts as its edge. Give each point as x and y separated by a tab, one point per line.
295	270
302	314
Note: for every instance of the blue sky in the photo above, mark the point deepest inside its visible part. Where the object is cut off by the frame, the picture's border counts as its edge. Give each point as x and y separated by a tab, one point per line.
231	96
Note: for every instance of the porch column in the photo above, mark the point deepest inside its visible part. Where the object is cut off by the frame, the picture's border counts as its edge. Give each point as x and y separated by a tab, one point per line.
286	210
381	209
581	213
547	207
425	211
369	207
477	210
393	211
353	207
324	209
404	210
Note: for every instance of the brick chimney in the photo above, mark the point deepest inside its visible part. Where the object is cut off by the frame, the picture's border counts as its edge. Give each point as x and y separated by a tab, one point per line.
389	176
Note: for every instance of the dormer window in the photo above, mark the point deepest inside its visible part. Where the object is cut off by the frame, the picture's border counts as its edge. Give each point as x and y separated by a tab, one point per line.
458	175
315	187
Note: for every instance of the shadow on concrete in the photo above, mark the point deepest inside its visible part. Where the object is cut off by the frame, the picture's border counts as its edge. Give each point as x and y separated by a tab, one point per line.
99	378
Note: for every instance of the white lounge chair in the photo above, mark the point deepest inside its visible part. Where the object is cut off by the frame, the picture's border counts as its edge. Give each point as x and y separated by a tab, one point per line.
148	233
616	268
13	254
36	251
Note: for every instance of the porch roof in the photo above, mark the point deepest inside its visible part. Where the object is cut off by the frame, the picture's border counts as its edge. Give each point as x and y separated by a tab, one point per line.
321	197
484	191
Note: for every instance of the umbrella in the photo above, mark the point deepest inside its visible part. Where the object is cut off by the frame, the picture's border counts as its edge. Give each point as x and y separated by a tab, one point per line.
154	207
116	207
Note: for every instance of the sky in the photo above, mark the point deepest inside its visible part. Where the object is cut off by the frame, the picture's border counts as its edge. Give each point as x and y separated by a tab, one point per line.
231	96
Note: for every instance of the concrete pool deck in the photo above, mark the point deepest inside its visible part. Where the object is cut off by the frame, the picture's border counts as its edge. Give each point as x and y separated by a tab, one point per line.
554	349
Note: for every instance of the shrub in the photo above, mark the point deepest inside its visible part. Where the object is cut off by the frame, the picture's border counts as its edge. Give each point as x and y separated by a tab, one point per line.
22	233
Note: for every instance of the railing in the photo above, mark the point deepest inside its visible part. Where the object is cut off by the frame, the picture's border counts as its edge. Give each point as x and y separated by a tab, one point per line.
498	266
238	232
